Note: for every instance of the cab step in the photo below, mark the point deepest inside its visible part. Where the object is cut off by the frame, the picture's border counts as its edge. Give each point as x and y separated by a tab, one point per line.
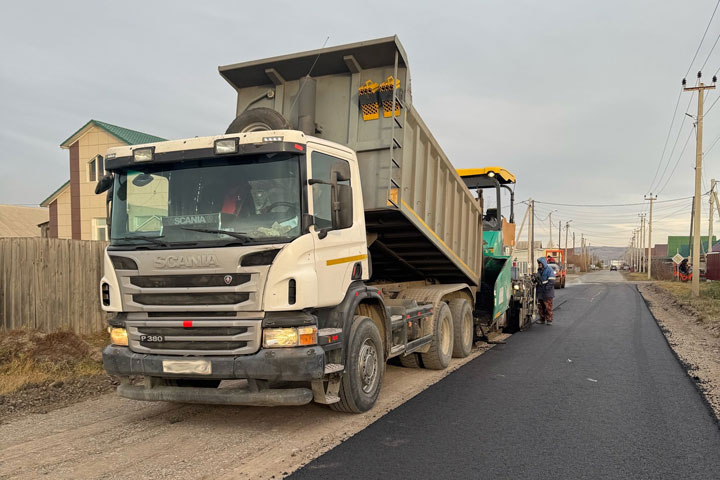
333	368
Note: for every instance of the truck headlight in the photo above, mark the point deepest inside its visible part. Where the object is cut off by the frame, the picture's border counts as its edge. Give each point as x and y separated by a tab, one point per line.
289	337
118	336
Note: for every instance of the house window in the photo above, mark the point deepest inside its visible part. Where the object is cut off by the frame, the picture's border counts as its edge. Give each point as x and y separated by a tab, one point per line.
96	168
92	171
100	229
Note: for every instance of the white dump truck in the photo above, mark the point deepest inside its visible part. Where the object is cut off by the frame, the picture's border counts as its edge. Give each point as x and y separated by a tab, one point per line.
323	234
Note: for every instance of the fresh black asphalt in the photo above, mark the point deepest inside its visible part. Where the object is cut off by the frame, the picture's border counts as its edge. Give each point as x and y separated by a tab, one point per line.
597	395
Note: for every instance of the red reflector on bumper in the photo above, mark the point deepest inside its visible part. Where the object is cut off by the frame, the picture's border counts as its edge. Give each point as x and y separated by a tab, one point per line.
187	323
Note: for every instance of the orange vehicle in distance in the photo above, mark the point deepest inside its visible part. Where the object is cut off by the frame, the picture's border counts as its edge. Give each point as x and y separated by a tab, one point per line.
556	259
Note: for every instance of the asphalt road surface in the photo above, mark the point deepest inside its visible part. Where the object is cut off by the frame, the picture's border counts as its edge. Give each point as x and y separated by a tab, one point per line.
599	394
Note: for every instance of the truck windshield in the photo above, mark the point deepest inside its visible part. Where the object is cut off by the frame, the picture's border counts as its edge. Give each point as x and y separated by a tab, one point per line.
242	199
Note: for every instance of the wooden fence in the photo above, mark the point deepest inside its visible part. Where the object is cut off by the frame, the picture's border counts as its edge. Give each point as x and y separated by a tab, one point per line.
51	284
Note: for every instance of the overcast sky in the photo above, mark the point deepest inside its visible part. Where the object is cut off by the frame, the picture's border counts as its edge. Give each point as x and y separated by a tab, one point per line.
574	97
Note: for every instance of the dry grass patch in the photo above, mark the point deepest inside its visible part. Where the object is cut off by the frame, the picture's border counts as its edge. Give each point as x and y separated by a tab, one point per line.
635	276
31	357
705	308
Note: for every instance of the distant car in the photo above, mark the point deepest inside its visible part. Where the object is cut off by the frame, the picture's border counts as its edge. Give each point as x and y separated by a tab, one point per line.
613	268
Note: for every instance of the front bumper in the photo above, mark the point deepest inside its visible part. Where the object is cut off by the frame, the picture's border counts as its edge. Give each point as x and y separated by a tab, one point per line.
280	364
218	396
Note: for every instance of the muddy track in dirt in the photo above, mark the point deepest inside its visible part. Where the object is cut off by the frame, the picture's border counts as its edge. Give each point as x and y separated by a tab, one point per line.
108	437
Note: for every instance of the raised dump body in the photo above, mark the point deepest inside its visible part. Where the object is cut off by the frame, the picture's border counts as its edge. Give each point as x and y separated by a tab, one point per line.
422	221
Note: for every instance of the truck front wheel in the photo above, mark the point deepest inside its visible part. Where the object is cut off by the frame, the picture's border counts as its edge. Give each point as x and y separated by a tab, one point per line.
364	368
441	348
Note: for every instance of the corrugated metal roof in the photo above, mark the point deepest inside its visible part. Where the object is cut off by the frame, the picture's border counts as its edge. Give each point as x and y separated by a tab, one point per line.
16	221
131	137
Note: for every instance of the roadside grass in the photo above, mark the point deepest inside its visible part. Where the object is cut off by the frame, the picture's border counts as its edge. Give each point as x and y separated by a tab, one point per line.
635	276
706	307
32	357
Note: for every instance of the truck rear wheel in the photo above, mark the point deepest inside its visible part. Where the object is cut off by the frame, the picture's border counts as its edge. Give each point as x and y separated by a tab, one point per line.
462	327
410	361
257	120
364	368
438	357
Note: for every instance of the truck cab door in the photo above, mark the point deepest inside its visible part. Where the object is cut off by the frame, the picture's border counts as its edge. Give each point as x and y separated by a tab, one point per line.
335	201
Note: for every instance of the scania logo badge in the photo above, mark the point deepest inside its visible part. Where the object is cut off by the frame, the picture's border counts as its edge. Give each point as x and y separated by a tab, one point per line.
228	279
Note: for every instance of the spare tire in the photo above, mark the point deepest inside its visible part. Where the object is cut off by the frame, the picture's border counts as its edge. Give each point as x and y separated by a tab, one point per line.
257	120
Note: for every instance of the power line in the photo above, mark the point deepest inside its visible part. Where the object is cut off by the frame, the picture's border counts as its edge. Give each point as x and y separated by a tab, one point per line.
608	204
697	50
710	52
677	162
677	138
667	138
702	39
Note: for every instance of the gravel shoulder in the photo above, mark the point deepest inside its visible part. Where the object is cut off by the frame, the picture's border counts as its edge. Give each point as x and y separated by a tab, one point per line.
695	342
108	437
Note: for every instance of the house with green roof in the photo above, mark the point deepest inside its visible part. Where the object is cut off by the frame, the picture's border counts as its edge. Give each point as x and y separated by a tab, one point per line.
74	209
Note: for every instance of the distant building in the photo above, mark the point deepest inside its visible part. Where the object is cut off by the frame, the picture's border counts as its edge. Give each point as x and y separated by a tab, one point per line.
74	209
16	221
681	244
660	250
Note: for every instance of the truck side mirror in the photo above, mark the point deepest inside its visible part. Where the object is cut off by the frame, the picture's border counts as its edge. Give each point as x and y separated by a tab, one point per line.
343	207
104	184
339	172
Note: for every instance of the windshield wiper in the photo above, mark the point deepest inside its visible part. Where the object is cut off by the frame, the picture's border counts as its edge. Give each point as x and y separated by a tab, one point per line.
239	235
147	238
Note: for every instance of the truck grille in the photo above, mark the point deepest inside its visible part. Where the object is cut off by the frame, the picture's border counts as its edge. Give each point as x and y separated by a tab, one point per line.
205	337
190	281
190	298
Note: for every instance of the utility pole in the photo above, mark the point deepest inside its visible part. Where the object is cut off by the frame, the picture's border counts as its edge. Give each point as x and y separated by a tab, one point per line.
712	214
559	232
582	249
633	251
551	222
695	287
567	229
573	243
641	243
649	254
531	234
692	224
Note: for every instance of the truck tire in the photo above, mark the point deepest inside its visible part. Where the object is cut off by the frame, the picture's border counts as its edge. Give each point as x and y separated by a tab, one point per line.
410	361
257	120
512	323
438	357
462	327
364	368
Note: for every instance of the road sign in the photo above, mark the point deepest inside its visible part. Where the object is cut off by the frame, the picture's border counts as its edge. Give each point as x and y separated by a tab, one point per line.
678	258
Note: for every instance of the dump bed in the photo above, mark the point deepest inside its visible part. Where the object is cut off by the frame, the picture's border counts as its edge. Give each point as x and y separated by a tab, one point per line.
422	221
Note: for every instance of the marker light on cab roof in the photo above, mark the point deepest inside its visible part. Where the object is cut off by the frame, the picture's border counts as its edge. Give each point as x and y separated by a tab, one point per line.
143	154
224	146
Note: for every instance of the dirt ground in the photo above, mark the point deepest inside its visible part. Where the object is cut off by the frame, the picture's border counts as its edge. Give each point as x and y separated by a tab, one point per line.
695	340
108	437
